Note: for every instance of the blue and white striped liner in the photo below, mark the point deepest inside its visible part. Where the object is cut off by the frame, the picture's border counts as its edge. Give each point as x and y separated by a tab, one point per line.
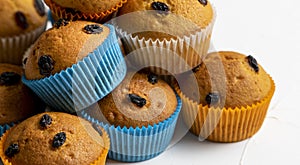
86	82
139	144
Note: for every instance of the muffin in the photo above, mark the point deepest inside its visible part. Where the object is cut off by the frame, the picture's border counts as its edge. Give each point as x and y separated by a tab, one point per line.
74	64
150	32
97	10
234	95
22	21
17	101
62	138
140	112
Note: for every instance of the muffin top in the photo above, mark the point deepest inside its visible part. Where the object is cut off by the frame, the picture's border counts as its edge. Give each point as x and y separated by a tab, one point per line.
21	16
53	138
62	46
87	6
17	102
230	79
164	18
140	100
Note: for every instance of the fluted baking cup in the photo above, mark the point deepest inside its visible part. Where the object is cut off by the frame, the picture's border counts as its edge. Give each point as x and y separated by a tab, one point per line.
5	127
86	82
231	124
139	144
102	17
168	56
13	48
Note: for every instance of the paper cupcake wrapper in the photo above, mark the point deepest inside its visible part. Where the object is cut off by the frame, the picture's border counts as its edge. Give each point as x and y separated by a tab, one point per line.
102	17
13	48
165	57
5	127
224	124
86	82
100	161
50	17
139	144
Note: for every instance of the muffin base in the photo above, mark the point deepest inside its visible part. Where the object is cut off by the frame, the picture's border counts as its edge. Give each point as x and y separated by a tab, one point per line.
139	144
87	81
165	57
100	161
102	17
224	124
13	48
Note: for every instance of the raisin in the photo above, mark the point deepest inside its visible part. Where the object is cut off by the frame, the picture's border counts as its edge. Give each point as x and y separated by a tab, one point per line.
25	60
212	98
39	7
152	78
92	29
21	20
12	150
45	121
161	7
253	63
196	69
9	78
59	139
203	2
60	22
137	100
46	65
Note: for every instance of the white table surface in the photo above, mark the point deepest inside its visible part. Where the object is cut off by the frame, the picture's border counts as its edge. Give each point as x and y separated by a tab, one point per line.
270	31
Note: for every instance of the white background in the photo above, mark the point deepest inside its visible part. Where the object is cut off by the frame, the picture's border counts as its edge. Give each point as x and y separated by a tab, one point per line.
270	31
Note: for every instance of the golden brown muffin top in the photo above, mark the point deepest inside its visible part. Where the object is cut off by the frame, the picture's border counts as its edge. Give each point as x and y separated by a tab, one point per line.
172	17
62	46
21	16
17	102
88	6
40	141
140	100
230	79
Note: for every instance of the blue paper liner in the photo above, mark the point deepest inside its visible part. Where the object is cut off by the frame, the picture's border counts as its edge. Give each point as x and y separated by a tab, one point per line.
139	144
86	82
50	17
5	127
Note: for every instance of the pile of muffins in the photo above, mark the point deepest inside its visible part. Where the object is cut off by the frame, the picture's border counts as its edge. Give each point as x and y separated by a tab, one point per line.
115	77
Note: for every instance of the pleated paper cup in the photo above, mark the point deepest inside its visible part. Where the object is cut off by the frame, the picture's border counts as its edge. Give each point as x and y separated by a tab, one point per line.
5	127
139	144
13	48
167	56
64	13
224	124
86	82
100	160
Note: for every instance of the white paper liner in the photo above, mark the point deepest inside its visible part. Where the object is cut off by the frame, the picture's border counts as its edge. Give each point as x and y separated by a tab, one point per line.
168	55
13	48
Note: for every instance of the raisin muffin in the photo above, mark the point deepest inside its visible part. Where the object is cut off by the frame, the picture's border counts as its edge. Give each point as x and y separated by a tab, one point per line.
94	10
22	21
235	92
80	61
142	107
62	138
17	101
144	26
